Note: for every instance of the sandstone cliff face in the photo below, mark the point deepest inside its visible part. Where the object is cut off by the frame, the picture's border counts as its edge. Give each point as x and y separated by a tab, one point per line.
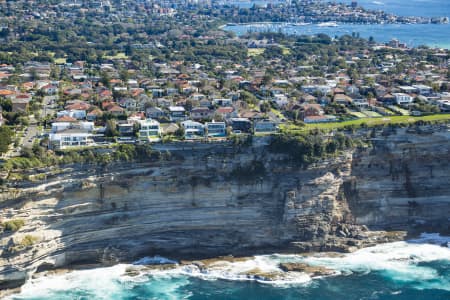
205	202
403	182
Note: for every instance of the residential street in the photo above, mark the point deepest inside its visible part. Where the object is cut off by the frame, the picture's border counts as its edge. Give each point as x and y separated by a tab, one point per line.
30	133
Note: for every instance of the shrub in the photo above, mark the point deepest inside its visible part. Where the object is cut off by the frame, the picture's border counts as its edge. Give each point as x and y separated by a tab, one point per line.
249	171
28	241
13	225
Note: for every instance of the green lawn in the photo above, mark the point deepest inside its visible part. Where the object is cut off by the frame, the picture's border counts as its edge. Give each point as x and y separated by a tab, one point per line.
368	121
277	113
119	55
358	114
386	111
60	61
399	110
255	51
371	114
285	50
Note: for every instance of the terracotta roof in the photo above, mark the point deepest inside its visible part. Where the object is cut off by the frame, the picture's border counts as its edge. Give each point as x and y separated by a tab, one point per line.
95	112
48	86
6	92
65	119
105	104
28	85
312	106
23	96
78	106
225	110
139	114
105	93
137	92
115	107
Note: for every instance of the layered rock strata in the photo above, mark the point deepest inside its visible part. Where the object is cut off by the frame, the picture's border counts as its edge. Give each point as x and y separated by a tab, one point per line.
203	203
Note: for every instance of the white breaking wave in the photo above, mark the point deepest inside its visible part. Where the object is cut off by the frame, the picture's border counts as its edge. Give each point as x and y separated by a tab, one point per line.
254	269
400	261
100	283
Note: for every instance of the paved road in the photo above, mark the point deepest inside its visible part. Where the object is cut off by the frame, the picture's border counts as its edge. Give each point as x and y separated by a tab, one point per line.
49	105
30	133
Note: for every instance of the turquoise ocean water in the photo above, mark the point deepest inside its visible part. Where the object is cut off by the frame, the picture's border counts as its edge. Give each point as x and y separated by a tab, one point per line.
433	35
418	269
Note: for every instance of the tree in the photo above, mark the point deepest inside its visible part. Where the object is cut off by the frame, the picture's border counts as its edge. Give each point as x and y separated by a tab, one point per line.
331	147
180	132
267	78
124	75
6	104
111	128
248	97
264	107
5	138
105	79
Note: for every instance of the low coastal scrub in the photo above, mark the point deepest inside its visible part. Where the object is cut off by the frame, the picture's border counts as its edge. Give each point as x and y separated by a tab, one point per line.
249	172
12	225
37	157
26	242
309	147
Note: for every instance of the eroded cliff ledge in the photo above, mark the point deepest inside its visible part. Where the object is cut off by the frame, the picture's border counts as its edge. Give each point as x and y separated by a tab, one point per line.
207	201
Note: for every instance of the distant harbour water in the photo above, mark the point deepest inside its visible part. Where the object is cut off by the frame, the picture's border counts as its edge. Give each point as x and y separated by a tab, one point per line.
421	8
432	35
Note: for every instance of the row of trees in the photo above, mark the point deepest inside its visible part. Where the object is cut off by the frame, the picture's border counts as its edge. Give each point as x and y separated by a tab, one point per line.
6	135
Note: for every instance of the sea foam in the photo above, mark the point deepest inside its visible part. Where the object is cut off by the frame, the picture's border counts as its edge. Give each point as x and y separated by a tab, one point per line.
411	263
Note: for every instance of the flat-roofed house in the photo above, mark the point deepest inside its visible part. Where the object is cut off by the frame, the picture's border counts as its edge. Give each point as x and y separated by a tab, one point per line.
150	131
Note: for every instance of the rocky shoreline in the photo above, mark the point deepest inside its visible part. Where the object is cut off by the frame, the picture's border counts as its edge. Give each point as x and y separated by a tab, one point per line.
205	264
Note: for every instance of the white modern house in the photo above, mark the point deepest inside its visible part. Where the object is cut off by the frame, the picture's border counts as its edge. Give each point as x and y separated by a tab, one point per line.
150	131
402	98
69	134
177	113
223	102
193	130
423	89
72	137
74	113
216	129
265	126
84	126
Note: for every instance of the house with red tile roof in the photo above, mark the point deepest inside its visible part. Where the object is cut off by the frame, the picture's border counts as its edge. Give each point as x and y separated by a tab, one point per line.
93	115
65	119
115	109
227	112
78	106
